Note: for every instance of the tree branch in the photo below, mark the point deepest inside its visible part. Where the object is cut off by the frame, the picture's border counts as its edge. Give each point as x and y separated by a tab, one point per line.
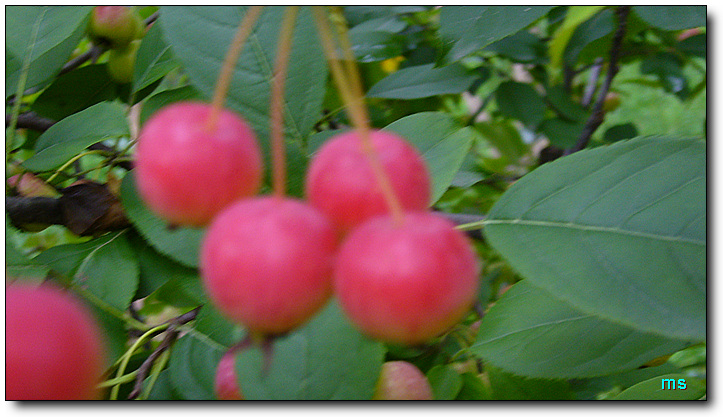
30	120
168	339
598	115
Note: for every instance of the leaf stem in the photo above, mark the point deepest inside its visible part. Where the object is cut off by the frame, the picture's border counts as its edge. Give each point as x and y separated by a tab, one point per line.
224	78
277	101
349	85
70	162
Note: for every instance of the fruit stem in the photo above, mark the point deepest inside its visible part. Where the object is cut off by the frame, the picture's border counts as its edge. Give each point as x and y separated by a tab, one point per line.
278	151
349	85
224	78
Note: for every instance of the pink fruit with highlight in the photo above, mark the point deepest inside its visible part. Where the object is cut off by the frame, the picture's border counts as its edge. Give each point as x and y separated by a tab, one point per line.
340	181
266	263
187	171
53	347
406	283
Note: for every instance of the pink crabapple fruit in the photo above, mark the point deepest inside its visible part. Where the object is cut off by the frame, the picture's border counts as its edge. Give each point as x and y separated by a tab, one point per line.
400	380
187	171
266	263
53	347
340	181
406	283
225	383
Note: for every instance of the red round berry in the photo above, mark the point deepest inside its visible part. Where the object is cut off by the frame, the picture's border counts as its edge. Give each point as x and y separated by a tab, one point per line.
187	171
340	181
266	263
406	283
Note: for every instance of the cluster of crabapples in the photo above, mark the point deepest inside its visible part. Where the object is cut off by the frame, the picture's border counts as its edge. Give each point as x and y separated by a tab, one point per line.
269	263
120	28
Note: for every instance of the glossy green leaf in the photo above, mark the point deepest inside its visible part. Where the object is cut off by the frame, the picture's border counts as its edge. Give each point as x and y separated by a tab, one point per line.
528	332
574	17
473	389
445	382
505	137
212	325
165	281
154	59
510	387
181	243
423	81
471	28
673	17
106	267
192	368
39	40
521	47
200	37
72	135
441	141
562	133
520	101
665	388
166	97
616	231
327	359
75	91
598	26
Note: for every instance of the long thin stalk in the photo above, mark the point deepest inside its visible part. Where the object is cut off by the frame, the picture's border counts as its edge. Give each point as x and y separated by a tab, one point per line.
349	85
224	78
278	150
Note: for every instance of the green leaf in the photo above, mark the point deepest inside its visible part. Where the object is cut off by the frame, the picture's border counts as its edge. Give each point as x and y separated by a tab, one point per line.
442	144
564	105
166	97
214	326
163	388
673	17
375	46
529	332
520	101
509	387
163	280
616	231
72	135
181	243
521	47
575	16
562	133
200	37
192	368
445	381
620	132
154	59
473	389
471	28
39	39
598	26
106	267
423	81
505	137
327	359
664	388
75	91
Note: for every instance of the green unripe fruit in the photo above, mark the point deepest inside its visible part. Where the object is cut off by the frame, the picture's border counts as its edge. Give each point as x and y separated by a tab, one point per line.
121	62
116	25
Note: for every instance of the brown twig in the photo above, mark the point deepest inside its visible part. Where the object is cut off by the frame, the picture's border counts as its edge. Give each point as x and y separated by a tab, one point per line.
170	337
598	115
30	120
